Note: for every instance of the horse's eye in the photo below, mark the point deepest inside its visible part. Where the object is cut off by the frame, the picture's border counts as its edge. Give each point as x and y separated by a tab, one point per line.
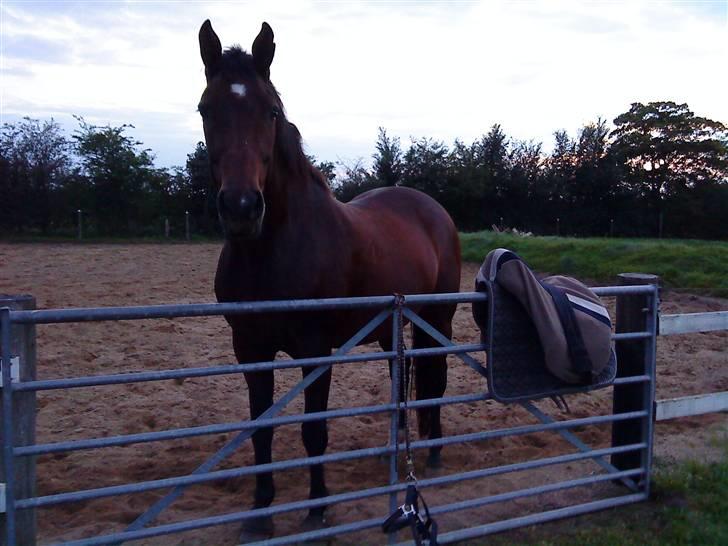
275	112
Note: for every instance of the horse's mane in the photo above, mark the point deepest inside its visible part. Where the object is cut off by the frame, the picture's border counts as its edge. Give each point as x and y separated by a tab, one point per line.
237	62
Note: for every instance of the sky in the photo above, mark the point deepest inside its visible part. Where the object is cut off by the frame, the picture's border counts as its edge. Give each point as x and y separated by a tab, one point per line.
343	69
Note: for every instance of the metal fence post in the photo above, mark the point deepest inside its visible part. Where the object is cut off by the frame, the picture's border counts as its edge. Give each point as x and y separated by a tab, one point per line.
635	313
18	422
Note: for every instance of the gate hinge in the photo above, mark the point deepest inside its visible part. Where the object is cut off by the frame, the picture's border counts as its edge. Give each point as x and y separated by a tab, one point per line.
14	370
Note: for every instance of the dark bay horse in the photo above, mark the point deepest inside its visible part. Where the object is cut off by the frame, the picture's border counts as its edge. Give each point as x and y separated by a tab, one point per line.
287	237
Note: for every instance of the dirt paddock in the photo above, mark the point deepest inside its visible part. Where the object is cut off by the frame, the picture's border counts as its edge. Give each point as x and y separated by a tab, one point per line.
68	275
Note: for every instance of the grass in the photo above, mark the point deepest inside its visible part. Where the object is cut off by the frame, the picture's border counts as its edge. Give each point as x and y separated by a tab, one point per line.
689	507
699	266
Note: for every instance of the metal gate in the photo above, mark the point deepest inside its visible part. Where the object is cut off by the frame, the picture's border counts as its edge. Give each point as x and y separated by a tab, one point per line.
19	448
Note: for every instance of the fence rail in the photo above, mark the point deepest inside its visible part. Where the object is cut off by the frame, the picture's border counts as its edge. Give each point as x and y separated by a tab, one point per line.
700	404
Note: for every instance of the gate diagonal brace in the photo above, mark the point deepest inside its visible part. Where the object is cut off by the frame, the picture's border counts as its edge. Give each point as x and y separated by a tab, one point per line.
443	340
227	450
581	446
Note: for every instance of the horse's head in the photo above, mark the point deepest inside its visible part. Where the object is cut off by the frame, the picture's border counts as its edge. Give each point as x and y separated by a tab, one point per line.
241	114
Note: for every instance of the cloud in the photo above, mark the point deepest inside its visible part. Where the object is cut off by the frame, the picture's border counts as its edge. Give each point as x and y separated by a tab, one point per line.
343	69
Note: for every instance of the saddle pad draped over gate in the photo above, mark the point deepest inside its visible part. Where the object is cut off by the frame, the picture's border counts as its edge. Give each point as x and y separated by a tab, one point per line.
518	366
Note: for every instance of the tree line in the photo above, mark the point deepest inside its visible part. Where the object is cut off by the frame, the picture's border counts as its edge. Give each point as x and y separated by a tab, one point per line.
662	171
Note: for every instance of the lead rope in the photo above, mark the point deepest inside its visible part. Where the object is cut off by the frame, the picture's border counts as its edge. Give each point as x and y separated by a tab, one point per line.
408	515
404	374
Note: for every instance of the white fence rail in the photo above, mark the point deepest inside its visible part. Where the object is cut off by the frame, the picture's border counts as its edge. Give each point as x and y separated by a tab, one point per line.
686	406
689	323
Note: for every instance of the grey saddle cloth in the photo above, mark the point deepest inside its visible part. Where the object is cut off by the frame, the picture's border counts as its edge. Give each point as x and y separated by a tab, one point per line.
516	366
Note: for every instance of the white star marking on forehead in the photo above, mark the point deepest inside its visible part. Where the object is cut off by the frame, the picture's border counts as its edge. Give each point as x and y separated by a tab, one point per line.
238	89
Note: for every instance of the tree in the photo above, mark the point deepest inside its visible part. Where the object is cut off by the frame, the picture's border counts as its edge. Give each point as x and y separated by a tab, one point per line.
326	168
387	159
356	179
35	159
123	177
591	195
426	167
667	151
201	197
525	161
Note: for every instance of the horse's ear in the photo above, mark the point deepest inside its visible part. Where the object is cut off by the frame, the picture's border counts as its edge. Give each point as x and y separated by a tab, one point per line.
263	50
210	47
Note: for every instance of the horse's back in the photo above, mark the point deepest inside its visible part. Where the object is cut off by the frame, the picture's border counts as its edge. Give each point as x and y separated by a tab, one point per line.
408	238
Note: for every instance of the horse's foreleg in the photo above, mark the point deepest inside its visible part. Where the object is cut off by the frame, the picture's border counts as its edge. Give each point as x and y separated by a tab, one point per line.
315	439
260	387
260	397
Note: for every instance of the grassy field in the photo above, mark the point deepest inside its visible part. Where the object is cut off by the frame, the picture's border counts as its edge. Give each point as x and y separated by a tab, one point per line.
698	266
689	507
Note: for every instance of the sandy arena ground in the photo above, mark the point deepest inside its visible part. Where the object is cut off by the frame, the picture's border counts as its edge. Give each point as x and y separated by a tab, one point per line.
69	275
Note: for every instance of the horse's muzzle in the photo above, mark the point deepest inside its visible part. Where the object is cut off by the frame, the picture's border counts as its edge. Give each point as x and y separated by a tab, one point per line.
241	213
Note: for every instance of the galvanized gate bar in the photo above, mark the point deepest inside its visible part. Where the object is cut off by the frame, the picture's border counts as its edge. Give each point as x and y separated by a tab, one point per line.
7	424
162	375
231	446
205	476
395	399
576	442
631	379
541	517
95	314
533	491
145	312
173	434
234	517
650	387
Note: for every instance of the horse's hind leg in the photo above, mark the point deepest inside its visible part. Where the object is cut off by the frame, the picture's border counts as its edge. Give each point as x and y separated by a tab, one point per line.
431	378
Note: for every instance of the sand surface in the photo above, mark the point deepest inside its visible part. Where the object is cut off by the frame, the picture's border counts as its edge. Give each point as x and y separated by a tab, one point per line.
68	275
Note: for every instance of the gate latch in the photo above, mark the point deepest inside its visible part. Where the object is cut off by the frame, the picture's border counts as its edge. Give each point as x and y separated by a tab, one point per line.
14	370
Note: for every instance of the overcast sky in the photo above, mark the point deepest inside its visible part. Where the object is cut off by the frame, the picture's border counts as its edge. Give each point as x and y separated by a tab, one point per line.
442	70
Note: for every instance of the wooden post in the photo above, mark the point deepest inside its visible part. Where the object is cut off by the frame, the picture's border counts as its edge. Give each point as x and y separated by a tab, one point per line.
632	316
166	228
22	345
187	225
80	225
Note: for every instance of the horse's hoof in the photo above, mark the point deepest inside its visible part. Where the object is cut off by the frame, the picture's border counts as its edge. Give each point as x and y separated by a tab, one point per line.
256	529
434	461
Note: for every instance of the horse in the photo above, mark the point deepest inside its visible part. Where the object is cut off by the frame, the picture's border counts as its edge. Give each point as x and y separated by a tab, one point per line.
287	237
